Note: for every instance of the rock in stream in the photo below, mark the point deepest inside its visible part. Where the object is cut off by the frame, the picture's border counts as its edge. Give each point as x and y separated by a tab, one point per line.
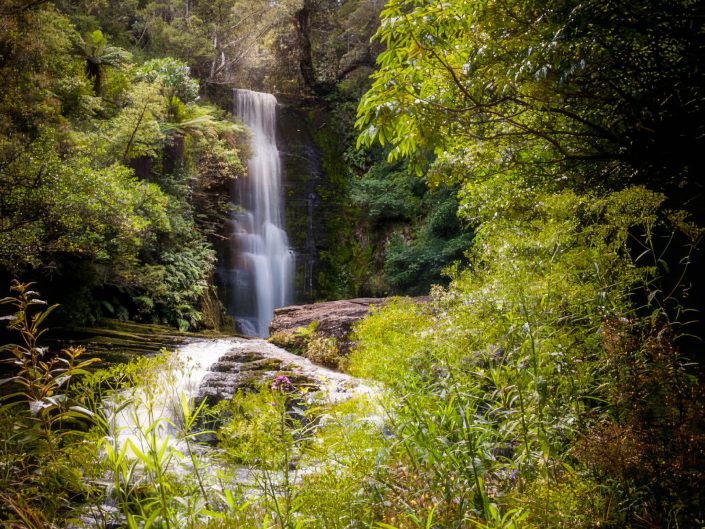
248	363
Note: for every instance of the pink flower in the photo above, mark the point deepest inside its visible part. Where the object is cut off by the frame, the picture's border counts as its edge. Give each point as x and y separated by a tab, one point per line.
281	382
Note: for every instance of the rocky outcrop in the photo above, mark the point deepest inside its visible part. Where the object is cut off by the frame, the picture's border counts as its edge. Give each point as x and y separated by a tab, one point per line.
247	364
331	319
320	331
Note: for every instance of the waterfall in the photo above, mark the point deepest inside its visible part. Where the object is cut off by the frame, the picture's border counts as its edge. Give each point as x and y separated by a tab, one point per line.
261	264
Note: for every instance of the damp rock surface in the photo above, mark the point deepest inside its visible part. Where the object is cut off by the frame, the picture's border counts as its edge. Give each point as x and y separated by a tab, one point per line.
334	319
246	364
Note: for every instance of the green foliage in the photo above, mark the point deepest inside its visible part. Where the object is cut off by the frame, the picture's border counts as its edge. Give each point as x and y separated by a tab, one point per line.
500	376
258	430
386	196
173	75
546	115
40	381
101	179
295	341
544	386
169	291
98	55
551	90
306	341
151	453
216	147
413	266
301	459
165	30
347	453
267	431
312	462
388	340
56	205
36	480
415	230
37	71
135	130
323	350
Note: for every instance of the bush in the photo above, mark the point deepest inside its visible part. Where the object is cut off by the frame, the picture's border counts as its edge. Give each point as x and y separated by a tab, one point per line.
36	447
386	195
309	343
514	389
413	264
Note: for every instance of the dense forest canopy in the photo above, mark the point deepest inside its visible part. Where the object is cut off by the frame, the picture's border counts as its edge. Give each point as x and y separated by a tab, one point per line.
593	90
118	93
111	168
513	100
533	169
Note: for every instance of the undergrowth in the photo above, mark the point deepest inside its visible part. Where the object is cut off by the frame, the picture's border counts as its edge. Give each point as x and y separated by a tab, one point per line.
545	387
536	390
121	447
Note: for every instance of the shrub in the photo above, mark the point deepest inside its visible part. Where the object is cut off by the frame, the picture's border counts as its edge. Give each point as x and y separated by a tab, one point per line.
38	477
311	344
515	379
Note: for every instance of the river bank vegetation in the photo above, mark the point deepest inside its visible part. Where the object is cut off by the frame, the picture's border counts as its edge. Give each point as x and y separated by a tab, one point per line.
534	167
554	383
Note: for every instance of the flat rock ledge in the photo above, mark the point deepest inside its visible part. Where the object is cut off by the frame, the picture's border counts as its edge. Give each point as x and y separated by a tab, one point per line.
247	364
334	319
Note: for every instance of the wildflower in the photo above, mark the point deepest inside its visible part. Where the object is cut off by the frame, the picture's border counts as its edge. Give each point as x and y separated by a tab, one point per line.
281	382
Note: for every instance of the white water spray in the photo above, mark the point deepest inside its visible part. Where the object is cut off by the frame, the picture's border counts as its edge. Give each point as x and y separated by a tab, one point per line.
157	406
261	267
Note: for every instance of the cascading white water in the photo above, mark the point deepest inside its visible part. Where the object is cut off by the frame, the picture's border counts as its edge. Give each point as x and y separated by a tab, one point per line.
157	407
261	268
